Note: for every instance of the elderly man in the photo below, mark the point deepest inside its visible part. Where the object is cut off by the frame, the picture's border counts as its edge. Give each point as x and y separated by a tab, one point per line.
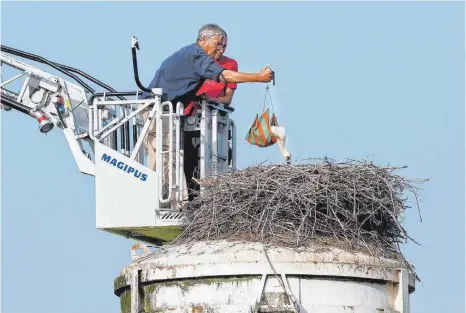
182	74
214	90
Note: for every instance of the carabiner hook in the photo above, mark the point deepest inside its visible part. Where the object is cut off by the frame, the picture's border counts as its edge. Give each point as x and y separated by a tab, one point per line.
273	79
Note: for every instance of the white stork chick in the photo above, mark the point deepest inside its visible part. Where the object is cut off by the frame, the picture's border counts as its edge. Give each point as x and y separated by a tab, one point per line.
280	134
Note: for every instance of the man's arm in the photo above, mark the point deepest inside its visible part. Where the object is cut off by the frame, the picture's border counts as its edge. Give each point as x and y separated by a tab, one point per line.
264	76
205	67
227	98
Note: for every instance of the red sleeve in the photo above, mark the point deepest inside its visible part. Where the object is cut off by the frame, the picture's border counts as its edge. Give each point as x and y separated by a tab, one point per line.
233	66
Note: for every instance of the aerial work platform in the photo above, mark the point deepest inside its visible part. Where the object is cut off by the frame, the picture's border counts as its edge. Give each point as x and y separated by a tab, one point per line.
106	134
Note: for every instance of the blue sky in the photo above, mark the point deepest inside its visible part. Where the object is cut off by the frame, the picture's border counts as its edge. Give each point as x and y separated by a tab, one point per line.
365	80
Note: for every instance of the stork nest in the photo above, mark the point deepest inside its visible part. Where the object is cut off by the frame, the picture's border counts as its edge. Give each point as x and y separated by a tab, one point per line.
354	205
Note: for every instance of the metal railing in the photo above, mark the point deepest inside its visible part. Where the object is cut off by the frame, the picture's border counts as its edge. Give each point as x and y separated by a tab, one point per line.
111	119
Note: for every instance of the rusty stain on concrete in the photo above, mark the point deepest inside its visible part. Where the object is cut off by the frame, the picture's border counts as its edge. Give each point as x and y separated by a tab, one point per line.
198	309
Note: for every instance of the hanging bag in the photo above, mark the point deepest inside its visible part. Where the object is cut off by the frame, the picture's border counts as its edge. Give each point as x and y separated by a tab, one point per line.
259	133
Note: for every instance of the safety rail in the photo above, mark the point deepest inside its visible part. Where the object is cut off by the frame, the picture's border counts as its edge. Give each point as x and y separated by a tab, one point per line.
110	119
215	128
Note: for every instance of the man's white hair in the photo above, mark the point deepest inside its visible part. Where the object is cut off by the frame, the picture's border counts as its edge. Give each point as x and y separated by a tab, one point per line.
209	30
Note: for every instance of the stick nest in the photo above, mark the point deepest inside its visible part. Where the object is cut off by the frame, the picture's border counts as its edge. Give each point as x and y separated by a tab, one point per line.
354	205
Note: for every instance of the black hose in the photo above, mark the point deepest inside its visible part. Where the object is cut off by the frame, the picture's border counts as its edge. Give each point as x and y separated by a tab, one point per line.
43	60
66	68
135	68
15	105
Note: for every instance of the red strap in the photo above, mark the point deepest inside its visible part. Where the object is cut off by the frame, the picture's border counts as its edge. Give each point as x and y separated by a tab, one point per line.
191	107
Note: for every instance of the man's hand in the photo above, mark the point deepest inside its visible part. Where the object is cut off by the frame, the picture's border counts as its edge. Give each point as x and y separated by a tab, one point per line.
266	74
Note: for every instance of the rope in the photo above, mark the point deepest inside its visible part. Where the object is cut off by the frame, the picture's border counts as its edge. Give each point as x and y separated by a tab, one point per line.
280	280
267	93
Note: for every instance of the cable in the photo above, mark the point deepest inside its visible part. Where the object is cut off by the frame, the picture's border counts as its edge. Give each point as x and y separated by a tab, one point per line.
43	60
136	74
60	67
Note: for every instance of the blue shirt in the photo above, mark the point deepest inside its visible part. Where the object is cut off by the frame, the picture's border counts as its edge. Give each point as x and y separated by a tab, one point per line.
182	74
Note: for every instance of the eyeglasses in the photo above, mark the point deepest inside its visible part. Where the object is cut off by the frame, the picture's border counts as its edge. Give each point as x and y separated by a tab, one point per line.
221	45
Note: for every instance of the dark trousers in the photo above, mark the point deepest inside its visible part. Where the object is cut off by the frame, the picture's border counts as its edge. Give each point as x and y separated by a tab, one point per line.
191	146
